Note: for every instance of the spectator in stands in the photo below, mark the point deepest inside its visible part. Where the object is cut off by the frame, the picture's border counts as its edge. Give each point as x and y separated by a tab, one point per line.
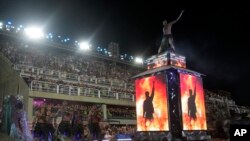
77	125
107	135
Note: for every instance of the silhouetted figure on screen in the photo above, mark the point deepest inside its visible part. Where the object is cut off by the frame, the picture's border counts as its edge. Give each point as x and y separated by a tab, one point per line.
148	108
167	42
191	104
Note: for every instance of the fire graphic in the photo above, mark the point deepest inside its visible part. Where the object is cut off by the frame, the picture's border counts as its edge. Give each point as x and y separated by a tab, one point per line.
193	115
160	115
158	64
178	64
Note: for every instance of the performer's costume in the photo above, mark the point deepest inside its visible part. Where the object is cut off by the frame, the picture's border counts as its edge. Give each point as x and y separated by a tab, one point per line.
165	44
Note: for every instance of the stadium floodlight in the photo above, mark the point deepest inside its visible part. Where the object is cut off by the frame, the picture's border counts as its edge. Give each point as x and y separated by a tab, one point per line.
84	46
138	60
34	32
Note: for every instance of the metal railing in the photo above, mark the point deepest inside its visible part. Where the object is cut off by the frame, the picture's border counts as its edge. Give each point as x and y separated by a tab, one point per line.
44	87
27	70
49	87
126	96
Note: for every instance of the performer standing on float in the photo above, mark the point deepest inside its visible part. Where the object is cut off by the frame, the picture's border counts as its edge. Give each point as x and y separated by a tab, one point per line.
19	129
167	42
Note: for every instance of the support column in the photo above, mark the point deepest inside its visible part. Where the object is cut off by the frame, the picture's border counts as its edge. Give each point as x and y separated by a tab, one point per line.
30	109
57	89
174	103
78	91
99	94
117	96
104	110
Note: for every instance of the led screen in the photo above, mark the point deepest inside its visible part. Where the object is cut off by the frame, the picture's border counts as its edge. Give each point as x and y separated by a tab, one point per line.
192	102
151	104
177	60
157	63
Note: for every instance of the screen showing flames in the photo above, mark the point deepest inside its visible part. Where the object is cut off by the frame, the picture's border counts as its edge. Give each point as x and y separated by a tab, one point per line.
151	104
157	64
192	102
177	60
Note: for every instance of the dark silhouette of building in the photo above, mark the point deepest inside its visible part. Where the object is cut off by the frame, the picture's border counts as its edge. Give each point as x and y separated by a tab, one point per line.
114	49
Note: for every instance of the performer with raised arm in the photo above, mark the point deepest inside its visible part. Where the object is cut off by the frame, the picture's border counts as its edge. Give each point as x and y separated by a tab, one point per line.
191	104
148	108
167	42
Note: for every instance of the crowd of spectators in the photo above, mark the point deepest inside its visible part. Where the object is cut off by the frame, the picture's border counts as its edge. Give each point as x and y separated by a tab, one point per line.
54	59
108	131
113	132
217	105
218	114
70	66
84	108
118	112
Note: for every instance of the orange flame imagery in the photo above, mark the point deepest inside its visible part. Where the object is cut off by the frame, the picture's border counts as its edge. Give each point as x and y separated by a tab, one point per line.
157	64
178	64
193	115
159	122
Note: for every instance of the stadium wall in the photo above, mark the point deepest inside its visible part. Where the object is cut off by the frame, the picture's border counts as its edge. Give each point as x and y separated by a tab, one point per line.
9	81
36	94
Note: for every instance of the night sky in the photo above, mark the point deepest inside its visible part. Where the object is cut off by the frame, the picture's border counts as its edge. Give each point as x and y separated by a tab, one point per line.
214	40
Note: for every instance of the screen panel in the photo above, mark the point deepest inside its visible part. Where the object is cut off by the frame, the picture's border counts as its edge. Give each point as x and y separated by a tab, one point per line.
192	102
157	61
177	60
151	104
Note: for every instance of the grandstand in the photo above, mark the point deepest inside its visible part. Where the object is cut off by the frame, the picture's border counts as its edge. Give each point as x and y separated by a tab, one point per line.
54	72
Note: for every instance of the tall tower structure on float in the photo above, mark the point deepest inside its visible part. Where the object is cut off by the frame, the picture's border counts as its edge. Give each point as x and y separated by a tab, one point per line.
170	100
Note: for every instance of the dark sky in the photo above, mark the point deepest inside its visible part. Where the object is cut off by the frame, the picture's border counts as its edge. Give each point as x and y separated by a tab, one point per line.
214	40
